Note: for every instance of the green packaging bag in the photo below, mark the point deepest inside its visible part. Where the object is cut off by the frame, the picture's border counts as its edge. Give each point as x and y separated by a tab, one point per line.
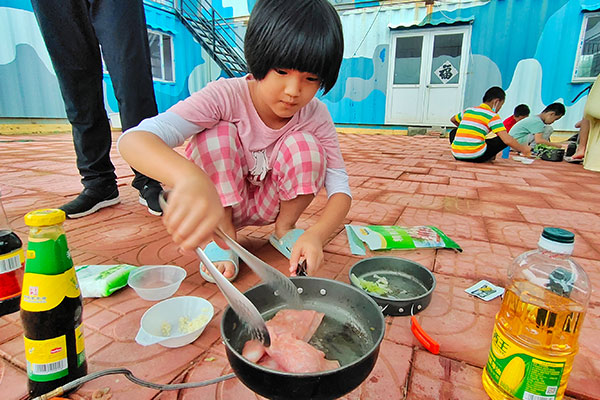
377	237
102	280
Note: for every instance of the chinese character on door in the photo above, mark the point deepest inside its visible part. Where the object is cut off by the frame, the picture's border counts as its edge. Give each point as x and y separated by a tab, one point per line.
446	72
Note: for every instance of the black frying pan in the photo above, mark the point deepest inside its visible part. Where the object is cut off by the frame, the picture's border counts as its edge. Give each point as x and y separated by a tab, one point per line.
411	287
412	283
351	333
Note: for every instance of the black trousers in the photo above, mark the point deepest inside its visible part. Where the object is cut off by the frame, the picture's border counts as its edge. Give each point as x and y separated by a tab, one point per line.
73	31
493	146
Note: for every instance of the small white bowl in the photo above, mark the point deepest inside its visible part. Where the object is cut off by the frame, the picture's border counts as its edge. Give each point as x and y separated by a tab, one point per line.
156	282
196	310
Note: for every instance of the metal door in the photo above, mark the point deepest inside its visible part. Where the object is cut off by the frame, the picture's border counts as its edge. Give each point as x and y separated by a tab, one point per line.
427	76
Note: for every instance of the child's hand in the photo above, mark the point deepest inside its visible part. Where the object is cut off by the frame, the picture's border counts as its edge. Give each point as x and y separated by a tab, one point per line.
310	248
193	212
526	151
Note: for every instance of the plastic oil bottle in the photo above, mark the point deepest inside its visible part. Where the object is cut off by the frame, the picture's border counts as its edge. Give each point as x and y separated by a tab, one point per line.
11	263
51	306
536	333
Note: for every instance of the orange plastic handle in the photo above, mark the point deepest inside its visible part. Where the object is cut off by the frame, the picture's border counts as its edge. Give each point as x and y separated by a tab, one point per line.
423	337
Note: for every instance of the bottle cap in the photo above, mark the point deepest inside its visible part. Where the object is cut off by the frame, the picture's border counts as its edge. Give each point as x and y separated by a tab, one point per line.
557	240
558	235
45	217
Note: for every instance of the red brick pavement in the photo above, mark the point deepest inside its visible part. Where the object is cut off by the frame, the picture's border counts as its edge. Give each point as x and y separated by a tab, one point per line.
494	211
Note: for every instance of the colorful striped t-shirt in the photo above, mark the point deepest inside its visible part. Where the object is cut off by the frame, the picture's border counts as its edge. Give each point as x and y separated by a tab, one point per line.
474	124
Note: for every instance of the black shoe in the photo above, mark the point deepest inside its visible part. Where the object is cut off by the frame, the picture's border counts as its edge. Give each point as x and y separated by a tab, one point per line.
149	198
89	202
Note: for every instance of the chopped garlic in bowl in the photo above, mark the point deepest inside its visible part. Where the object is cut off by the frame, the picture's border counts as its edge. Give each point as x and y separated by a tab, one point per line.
175	322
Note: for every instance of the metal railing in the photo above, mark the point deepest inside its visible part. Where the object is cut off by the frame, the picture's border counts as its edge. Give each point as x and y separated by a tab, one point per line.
216	36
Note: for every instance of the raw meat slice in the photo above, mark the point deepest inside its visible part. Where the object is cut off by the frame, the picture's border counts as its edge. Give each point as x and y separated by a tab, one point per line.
268	362
290	330
297	356
301	323
253	350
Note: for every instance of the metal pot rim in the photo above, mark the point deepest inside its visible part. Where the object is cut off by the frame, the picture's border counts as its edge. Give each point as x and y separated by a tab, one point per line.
392	300
376	345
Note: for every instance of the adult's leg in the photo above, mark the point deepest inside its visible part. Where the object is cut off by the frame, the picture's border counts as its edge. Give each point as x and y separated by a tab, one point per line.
584	132
121	30
75	55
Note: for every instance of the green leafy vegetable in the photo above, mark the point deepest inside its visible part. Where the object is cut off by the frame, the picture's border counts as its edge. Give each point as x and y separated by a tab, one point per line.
545	150
380	286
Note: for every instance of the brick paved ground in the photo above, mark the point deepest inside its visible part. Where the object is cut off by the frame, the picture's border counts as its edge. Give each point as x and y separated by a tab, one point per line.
494	211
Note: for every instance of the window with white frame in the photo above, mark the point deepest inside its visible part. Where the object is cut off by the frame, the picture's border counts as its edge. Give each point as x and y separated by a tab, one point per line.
161	56
587	62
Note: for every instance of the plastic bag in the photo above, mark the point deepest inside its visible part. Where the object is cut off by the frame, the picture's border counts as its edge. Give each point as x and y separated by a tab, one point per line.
396	238
102	280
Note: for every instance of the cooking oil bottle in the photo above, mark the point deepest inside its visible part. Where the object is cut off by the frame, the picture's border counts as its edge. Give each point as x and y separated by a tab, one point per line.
51	307
537	328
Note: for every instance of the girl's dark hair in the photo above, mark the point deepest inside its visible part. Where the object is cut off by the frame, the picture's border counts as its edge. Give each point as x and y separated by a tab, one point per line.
493	93
305	35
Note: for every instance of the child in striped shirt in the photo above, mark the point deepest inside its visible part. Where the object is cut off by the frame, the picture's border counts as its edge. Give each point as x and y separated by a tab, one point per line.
469	141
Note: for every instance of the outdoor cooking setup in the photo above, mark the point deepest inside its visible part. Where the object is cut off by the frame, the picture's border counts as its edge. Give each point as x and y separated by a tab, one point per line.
351	331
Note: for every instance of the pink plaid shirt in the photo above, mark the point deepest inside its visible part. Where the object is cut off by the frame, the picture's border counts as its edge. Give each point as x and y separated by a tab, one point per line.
229	100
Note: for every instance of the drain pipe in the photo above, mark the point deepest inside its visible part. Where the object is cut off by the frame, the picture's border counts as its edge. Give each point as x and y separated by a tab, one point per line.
429	7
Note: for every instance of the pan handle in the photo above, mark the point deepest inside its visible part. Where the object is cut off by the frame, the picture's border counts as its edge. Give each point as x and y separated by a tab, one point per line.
301	271
423	337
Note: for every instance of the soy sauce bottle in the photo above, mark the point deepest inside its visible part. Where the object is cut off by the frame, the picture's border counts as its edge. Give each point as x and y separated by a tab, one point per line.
51	306
11	262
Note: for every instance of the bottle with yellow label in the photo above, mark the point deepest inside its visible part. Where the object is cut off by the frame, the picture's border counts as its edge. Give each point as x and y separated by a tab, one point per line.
51	306
535	337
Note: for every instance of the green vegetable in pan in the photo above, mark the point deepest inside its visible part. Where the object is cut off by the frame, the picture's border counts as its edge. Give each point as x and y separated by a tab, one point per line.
380	286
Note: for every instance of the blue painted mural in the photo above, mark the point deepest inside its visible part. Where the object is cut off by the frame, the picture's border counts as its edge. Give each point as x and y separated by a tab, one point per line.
531	56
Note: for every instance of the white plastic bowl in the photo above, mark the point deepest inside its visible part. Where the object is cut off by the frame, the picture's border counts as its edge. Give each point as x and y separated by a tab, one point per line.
156	282
169	312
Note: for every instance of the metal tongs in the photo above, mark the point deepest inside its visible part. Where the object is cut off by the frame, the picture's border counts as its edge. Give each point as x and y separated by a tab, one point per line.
243	307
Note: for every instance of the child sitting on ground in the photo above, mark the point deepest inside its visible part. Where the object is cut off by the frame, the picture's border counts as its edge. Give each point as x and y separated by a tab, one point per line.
469	141
261	146
521	111
530	131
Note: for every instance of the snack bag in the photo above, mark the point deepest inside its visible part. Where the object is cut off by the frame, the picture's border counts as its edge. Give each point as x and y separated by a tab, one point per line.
102	280
396	238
